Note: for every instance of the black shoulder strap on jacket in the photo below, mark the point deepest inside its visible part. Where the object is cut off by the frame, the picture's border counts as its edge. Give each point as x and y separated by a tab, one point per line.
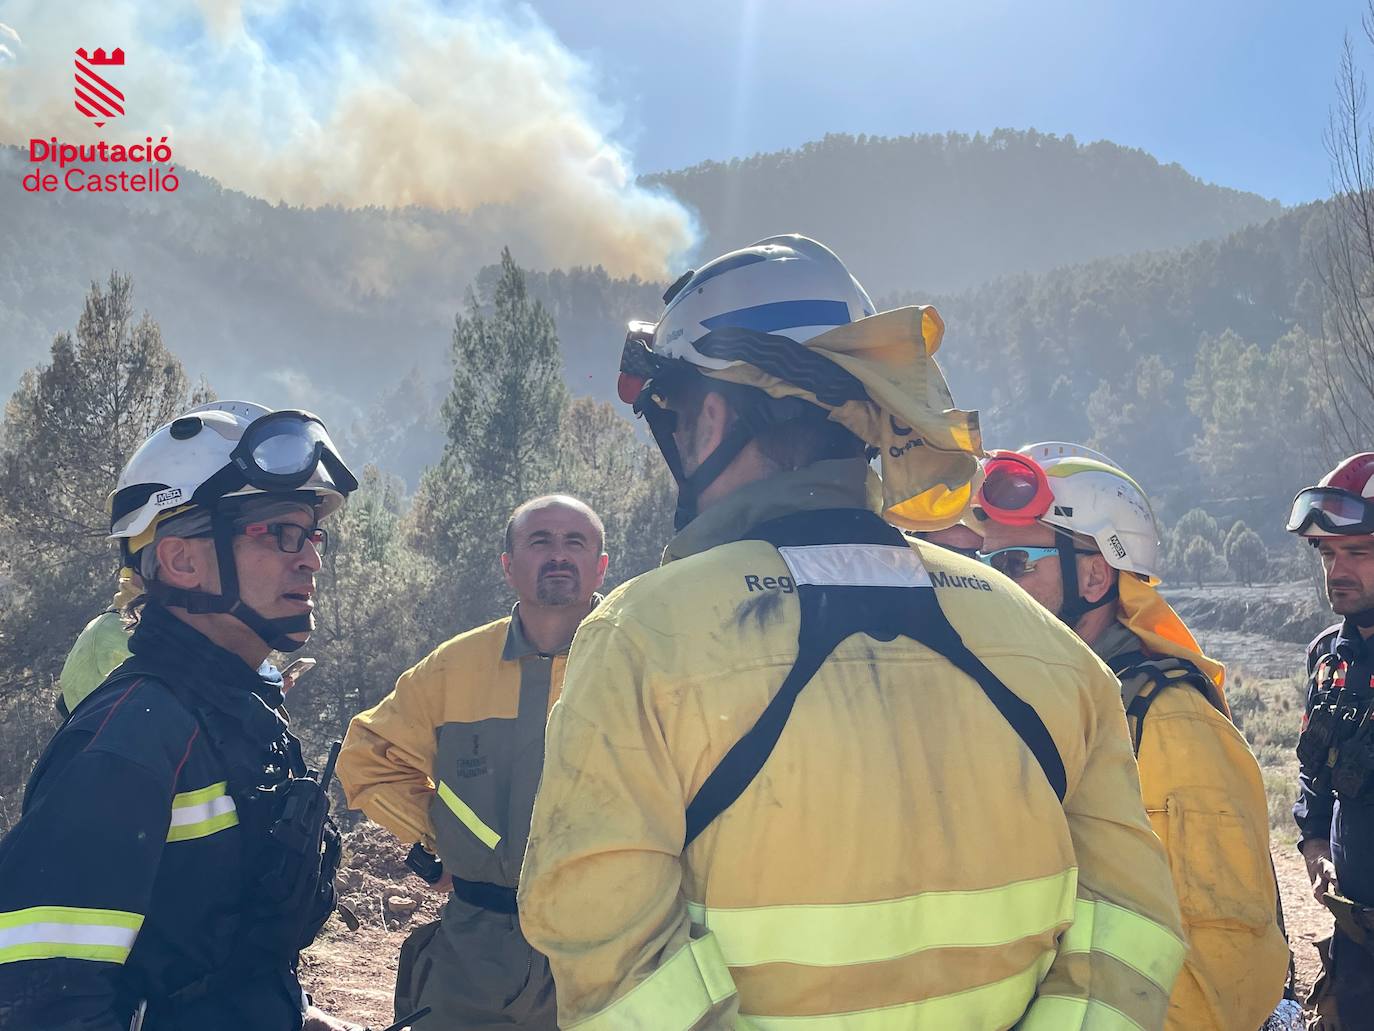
856	575
1129	665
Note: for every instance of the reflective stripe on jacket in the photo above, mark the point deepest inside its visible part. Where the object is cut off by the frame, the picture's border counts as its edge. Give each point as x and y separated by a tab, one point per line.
899	862
451	757
1205	798
131	873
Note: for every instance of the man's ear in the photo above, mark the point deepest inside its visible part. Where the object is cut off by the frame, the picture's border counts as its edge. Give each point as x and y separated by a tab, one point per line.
1095	578
188	563
601	566
505	568
712	423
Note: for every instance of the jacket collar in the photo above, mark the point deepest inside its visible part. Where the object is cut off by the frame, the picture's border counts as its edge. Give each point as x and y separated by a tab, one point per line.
185	657
1116	640
835	483
518	645
1350	644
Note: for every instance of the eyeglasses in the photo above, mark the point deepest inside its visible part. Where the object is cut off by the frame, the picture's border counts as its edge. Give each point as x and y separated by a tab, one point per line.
291	537
1020	560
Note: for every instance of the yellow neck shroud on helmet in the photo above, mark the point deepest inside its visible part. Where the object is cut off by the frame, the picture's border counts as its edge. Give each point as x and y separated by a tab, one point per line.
1146	614
930	449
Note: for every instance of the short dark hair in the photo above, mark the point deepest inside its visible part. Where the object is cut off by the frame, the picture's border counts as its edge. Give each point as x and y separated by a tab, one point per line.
790	443
545	500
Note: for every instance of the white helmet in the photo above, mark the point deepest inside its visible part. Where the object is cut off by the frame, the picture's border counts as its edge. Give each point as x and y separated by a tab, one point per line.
1079	490
169	471
222	450
789	286
1093	497
749	307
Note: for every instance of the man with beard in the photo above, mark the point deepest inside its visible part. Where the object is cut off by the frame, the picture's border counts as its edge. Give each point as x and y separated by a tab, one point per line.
1335	807
451	759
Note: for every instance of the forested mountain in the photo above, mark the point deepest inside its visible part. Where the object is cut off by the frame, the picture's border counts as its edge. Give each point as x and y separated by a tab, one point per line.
948	211
1190	366
330	308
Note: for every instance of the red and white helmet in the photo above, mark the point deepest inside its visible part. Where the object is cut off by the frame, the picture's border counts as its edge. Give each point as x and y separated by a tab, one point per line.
1340	505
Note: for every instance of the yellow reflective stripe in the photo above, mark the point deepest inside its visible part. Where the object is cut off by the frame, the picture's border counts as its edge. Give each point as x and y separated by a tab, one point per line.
1062	1013
66	932
673	997
872	932
999	1004
200	813
1152	951
470	819
190	798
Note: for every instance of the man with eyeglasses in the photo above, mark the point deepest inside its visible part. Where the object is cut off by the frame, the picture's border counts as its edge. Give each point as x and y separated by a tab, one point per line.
451	759
175	854
1080	537
1335	807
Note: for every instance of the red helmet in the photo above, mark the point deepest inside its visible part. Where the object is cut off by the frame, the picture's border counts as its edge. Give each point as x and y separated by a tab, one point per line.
1341	504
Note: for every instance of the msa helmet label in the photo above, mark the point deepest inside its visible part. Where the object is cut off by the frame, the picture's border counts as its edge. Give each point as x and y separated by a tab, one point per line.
1115	542
163	498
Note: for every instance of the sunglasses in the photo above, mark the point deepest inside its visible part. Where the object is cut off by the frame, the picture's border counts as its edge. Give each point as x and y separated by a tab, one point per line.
1021	560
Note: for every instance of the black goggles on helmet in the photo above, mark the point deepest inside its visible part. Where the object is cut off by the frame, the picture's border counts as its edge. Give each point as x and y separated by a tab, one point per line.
279	451
1333	510
638	363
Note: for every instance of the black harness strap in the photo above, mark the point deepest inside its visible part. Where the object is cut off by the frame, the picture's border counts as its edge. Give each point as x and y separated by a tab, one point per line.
1129	665
829	614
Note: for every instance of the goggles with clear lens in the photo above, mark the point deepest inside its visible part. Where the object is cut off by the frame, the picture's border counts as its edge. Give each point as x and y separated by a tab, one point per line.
1335	511
1015	490
280	451
1019	560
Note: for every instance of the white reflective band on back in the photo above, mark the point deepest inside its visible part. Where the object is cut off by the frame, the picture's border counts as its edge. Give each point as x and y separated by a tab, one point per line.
855	565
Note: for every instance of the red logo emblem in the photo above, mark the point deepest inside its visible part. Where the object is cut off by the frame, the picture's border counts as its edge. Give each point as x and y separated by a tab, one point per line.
96	98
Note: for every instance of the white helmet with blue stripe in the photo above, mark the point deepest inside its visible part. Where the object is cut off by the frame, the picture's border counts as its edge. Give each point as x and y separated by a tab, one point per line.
753	307
788	286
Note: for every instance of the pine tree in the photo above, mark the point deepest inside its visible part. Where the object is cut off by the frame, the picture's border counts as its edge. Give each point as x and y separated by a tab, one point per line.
68	431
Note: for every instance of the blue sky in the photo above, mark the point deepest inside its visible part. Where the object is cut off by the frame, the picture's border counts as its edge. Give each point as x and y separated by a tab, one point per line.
1236	92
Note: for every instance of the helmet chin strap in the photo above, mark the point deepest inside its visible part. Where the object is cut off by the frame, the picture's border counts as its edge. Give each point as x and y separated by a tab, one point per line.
689	487
273	632
1075	606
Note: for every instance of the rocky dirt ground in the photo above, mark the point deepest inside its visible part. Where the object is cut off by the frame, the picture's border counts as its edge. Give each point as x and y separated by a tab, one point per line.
1259	632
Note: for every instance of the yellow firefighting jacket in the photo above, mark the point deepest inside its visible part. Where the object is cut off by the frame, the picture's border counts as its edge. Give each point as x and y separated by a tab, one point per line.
99	648
1205	798
451	757
900	861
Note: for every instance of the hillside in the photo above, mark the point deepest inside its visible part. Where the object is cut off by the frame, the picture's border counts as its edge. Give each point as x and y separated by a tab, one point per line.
331	307
944	212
